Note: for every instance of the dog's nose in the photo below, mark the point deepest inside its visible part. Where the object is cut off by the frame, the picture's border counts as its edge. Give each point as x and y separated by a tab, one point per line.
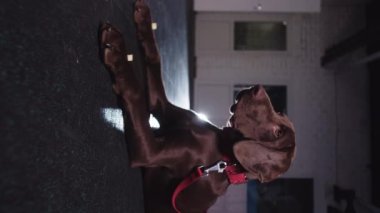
258	90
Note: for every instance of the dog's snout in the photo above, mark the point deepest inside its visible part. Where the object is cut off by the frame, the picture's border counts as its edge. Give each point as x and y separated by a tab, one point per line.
258	90
241	94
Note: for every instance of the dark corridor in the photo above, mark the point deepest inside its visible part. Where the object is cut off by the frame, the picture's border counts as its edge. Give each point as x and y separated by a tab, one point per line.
57	153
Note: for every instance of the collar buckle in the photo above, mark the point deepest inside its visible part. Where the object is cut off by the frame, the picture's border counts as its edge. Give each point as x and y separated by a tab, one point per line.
219	167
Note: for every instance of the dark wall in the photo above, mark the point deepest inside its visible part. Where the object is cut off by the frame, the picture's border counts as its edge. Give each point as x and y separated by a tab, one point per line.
57	153
374	48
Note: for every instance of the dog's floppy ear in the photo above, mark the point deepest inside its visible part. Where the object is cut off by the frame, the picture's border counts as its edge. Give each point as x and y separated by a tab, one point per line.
262	162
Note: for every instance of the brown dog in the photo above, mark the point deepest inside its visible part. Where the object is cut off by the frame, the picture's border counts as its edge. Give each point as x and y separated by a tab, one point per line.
257	144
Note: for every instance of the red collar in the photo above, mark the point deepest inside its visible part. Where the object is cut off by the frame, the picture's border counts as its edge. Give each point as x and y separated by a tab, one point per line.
234	172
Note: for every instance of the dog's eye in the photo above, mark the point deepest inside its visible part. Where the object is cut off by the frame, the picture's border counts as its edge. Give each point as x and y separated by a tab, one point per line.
279	132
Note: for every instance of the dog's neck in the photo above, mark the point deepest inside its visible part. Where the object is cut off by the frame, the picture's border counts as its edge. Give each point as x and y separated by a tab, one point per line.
227	138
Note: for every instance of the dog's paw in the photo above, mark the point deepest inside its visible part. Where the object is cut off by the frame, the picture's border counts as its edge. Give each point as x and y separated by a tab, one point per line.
113	51
143	21
115	58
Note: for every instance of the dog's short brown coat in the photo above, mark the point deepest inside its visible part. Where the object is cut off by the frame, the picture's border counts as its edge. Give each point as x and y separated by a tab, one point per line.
259	139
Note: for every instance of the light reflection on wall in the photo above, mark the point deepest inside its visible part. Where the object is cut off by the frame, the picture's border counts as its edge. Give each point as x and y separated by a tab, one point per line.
114	117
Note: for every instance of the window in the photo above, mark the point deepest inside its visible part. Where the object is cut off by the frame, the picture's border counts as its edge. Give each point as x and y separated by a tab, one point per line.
260	35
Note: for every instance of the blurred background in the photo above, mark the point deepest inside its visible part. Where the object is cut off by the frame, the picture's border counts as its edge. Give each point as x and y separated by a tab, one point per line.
62	147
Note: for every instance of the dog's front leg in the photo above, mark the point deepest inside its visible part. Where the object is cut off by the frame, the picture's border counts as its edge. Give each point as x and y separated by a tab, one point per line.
167	113
142	147
158	102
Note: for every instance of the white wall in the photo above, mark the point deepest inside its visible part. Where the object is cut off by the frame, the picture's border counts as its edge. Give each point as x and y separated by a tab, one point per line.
252	5
328	107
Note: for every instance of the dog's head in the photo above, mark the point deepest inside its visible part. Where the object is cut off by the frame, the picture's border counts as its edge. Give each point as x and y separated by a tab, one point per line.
269	145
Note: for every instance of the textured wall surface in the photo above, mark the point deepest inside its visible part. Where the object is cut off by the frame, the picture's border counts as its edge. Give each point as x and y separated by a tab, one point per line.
57	152
329	106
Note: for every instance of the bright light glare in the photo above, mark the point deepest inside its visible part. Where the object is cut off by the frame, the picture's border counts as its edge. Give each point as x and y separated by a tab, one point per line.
202	117
114	117
153	122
